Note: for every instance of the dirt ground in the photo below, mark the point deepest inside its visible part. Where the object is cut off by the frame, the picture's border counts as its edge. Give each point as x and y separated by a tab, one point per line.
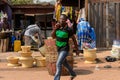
84	71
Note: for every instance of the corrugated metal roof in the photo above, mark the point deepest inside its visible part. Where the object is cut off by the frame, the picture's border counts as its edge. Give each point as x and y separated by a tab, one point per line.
104	0
70	2
32	6
5	2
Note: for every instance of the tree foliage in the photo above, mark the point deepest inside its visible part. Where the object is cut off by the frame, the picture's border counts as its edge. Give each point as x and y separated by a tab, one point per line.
22	1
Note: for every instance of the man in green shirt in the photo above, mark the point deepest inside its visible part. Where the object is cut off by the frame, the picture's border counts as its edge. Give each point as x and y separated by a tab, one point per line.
62	33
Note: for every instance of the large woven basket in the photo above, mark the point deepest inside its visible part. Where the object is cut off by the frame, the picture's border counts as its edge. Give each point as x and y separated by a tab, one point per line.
51	65
27	62
43	50
51	58
90	55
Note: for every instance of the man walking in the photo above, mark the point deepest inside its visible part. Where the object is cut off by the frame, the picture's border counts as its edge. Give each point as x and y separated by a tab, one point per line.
62	33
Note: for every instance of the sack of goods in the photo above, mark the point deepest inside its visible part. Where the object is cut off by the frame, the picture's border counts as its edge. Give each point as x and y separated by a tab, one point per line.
91	45
115	52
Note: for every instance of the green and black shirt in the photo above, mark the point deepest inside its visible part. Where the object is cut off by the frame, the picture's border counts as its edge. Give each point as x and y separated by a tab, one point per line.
62	38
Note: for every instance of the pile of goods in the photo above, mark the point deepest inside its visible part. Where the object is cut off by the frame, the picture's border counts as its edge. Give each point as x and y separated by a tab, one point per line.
13	61
51	57
90	55
115	52
26	60
91	45
40	61
89	50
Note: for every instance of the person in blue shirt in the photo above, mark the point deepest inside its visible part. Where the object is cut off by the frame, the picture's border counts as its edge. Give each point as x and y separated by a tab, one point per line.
13	38
85	34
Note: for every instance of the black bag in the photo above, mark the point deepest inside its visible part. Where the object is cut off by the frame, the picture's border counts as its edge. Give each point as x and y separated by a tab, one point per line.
110	59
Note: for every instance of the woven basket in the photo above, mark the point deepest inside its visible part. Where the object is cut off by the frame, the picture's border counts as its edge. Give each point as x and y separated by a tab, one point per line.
25	54
51	66
26	48
27	62
51	58
40	61
43	50
13	60
90	55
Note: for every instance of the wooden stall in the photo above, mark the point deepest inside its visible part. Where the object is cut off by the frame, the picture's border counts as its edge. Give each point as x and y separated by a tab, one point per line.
104	16
5	7
29	13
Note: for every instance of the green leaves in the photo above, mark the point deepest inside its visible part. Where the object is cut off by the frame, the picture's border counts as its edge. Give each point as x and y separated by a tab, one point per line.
22	1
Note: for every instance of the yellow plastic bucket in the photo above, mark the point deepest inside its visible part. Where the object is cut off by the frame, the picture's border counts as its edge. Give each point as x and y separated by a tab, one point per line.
17	45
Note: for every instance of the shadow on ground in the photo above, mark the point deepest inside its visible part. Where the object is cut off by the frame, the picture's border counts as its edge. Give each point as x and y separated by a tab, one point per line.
83	72
3	60
24	69
1	77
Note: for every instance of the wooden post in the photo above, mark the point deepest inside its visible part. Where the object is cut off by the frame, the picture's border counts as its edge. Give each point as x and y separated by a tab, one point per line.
1	45
4	45
45	25
117	21
107	25
79	4
86	9
89	12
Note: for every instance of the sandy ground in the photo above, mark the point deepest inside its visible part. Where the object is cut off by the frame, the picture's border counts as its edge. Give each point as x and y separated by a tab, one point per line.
84	71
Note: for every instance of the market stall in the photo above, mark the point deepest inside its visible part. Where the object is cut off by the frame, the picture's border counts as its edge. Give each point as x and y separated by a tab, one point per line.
5	25
5	40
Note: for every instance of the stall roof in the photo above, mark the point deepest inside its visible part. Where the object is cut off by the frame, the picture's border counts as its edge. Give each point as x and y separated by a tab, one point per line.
105	0
5	2
74	3
70	3
38	14
32	6
32	9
